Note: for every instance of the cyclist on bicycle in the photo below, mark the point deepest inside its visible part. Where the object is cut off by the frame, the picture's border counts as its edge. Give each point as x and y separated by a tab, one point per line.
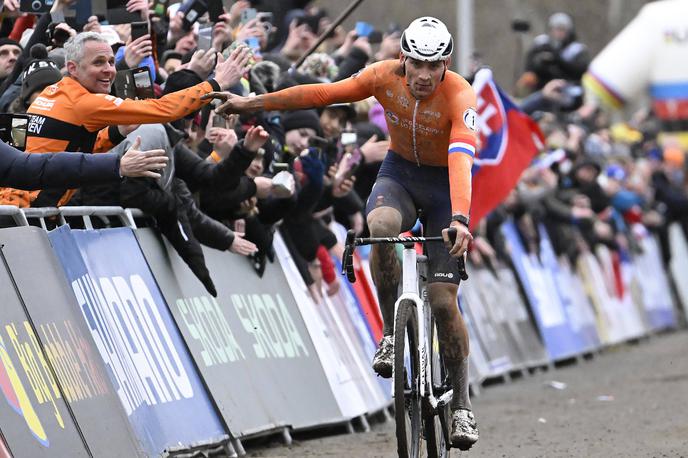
431	116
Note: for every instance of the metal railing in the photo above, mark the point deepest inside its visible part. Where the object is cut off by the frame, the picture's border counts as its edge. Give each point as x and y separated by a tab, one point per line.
21	216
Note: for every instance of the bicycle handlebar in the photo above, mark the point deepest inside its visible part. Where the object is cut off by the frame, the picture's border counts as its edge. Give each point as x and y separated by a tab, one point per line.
352	242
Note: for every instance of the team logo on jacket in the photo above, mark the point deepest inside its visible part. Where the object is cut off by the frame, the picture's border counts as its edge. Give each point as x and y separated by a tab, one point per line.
470	118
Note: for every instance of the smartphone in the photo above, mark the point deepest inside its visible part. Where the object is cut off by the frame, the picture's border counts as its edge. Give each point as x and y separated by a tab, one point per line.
143	83
197	9
205	38
215	10
117	13
248	14
36	6
347	166
135	83
13	129
363	29
254	44
84	10
138	30
219	121
348	138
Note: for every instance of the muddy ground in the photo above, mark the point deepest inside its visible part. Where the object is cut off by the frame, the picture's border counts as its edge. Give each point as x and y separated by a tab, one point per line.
628	401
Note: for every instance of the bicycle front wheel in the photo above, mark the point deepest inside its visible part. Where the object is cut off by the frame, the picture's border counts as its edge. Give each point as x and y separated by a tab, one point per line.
435	432
407	401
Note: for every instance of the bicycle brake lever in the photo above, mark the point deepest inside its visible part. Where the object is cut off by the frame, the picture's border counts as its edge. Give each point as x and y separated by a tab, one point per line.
463	275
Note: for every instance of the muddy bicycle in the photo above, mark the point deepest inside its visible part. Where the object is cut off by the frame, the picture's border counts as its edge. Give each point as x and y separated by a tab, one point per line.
422	392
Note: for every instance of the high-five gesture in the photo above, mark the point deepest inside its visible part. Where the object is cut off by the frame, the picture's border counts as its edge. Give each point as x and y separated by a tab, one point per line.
229	71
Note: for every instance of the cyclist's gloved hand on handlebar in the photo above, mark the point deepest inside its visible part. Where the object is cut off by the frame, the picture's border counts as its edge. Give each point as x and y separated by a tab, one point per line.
463	239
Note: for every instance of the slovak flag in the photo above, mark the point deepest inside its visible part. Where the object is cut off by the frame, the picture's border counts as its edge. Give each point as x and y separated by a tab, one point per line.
507	142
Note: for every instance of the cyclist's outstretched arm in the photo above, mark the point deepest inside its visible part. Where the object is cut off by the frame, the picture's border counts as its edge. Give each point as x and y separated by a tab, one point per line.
357	87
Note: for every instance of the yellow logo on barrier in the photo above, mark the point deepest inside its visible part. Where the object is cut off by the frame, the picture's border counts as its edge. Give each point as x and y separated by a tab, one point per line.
16	395
71	360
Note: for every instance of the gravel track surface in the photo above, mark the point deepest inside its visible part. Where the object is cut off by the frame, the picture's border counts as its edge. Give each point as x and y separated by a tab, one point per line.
628	401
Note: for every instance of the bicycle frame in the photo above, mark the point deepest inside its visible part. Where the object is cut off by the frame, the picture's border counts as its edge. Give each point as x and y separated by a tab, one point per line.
410	291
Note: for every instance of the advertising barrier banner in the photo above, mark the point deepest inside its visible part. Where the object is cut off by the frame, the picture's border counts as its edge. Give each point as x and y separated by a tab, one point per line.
250	343
63	334
154	376
678	264
367	341
332	357
571	295
343	310
491	294
478	367
620	280
35	419
367	296
610	325
523	327
495	347
560	340
656	291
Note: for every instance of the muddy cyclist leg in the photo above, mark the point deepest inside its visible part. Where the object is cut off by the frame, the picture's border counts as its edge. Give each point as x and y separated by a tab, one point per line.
453	337
384	264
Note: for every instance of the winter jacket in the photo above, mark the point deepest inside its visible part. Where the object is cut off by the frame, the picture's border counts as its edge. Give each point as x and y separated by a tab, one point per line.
35	171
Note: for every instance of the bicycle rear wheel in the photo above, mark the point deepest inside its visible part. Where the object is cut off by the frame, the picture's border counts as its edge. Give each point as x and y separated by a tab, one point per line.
407	401
435	433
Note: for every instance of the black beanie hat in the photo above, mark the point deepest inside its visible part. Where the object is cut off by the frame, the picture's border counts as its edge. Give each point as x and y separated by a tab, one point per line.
39	74
9	41
302	118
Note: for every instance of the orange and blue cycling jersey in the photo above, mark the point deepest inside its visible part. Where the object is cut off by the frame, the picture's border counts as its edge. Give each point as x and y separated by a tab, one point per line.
437	131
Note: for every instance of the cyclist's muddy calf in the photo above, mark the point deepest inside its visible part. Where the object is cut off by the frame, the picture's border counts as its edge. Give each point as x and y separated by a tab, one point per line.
453	337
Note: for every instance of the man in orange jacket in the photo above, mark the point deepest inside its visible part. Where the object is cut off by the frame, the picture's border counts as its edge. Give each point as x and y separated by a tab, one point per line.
79	114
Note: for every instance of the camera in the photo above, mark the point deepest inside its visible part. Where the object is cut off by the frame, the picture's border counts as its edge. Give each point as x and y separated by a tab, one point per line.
35	6
571	97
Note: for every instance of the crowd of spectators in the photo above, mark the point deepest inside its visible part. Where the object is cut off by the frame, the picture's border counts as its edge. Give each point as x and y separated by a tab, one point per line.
602	179
231	183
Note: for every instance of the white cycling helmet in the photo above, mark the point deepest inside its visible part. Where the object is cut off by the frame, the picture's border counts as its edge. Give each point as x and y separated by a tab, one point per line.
427	39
